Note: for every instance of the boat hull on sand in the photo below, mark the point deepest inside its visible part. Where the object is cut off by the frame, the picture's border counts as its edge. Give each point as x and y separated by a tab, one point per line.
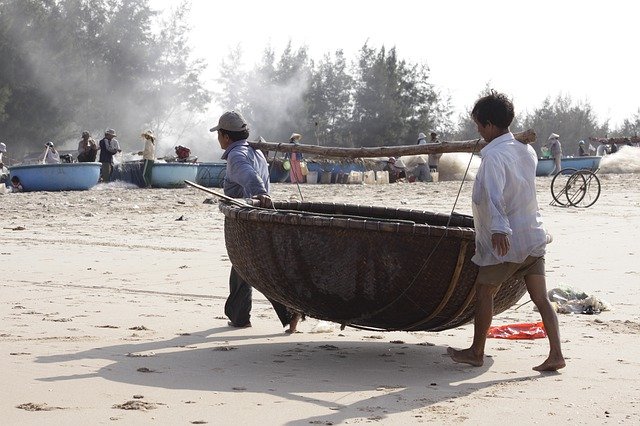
57	177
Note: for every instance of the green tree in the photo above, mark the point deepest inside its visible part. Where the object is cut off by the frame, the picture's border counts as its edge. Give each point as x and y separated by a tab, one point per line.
329	100
572	121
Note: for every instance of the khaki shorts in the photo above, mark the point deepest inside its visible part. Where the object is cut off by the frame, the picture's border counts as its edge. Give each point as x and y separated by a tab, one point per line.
497	274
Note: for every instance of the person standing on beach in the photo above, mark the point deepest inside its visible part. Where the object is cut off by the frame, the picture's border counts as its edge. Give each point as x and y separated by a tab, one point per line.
295	159
556	152
510	238
148	156
247	176
434	159
109	146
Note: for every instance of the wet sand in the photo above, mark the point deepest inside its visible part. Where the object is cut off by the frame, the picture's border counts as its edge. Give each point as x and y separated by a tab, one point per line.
112	312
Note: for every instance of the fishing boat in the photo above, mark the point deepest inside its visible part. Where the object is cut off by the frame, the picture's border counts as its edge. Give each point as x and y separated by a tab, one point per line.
359	266
57	177
211	175
172	174
546	165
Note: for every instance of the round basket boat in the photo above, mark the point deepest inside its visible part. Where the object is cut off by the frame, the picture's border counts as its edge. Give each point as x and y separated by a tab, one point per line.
362	266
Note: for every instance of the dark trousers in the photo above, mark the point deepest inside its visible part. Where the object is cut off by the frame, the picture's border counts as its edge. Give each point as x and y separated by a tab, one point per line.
238	305
105	172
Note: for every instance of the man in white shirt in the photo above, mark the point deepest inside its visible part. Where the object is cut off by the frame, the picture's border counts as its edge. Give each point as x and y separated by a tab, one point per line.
510	239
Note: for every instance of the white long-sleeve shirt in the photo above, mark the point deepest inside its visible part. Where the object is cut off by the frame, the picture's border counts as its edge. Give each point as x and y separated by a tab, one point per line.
504	201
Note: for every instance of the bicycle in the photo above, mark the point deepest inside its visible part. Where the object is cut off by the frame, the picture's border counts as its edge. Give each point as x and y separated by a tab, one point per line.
580	188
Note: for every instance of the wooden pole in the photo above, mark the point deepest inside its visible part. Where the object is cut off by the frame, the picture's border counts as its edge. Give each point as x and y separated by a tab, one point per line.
527	137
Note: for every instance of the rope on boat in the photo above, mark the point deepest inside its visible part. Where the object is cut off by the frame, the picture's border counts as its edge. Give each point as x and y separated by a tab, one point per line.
422	267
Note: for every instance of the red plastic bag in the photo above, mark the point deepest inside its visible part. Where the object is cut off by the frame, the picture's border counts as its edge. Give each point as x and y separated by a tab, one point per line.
529	330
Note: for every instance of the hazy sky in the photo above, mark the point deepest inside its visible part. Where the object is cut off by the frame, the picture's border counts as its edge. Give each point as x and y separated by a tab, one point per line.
529	50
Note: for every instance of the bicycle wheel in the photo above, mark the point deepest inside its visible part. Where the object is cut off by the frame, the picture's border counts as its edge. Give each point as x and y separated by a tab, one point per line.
590	189
559	183
575	188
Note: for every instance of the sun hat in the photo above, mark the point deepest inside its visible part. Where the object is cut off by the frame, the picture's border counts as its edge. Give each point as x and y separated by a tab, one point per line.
3	147
148	134
231	121
110	132
391	160
554	136
49	144
581	143
295	137
421	136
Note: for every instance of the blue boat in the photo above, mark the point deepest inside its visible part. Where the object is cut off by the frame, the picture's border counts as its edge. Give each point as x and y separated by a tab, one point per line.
546	165
211	175
57	177
173	175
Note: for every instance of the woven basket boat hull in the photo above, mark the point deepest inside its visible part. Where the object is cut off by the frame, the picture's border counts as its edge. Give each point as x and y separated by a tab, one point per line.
370	267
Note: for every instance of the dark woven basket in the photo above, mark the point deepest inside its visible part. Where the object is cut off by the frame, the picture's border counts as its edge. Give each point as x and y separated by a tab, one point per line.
373	267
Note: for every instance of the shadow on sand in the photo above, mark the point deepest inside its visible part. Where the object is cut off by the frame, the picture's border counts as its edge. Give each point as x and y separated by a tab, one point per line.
396	377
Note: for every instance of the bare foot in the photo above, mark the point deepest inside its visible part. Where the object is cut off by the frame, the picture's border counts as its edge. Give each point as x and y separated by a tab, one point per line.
293	324
551	364
465	356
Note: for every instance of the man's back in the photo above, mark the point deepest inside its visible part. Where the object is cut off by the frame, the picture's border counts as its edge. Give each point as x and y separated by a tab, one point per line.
504	201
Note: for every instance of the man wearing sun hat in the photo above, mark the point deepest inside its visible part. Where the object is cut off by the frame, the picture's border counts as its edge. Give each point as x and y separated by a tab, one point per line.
109	146
247	176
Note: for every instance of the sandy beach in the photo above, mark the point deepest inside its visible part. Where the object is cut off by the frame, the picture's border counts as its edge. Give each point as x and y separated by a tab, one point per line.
109	302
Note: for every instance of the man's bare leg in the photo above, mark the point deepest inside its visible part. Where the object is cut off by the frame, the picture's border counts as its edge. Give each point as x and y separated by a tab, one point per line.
537	288
293	325
482	321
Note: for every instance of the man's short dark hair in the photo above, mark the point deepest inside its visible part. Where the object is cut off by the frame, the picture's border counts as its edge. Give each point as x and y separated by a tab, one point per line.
235	136
494	108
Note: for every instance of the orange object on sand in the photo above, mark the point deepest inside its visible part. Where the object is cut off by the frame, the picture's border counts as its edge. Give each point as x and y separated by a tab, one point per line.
529	330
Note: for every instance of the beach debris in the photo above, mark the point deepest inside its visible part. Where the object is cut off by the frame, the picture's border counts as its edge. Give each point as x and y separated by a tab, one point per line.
568	300
225	348
138	396
210	201
138	327
139	355
136	405
323	327
397	342
32	406
107	326
145	370
531	330
19	353
198	422
374	336
181	218
239	388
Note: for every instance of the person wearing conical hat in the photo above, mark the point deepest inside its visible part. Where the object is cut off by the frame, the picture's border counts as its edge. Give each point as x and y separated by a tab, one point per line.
109	147
556	152
295	158
148	156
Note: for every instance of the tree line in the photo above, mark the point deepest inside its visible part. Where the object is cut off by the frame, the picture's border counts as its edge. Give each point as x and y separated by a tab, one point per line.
73	65
377	99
